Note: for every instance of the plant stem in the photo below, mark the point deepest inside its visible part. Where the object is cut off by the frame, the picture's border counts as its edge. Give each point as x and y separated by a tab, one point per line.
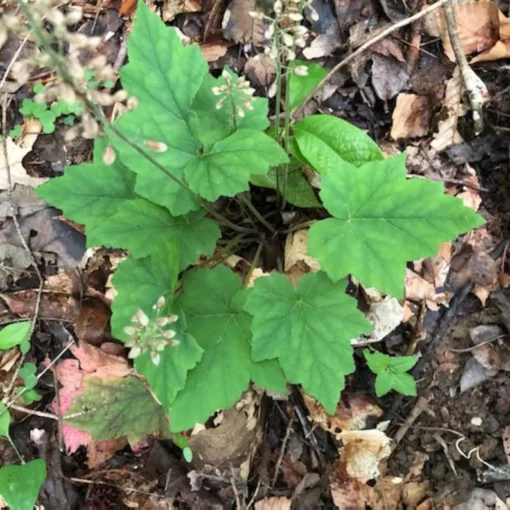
278	105
286	131
255	213
254	263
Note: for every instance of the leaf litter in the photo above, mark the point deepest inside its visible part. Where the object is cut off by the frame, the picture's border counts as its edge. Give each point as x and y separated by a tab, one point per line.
417	116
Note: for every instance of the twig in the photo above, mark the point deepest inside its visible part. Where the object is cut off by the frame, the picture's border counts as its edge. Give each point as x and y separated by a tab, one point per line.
13	59
474	347
419	407
458	182
474	86
282	452
34	412
379	37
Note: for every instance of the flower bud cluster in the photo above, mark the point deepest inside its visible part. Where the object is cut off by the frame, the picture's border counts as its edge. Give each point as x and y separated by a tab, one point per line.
239	91
285	31
151	336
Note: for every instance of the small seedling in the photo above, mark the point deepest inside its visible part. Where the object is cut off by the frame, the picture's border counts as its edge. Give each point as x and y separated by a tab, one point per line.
391	373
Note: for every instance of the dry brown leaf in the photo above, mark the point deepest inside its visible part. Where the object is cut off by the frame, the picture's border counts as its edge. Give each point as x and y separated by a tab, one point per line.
213	50
127	7
172	8
273	504
239	26
389	47
418	289
389	76
452	108
260	69
477	27
411	116
352	413
15	155
505	434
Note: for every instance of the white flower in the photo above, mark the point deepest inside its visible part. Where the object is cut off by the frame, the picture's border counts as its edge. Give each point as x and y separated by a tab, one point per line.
278	6
295	16
287	40
301	70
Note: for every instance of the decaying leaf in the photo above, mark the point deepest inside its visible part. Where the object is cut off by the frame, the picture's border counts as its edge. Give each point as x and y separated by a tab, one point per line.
411	116
239	26
171	8
385	314
15	155
233	441
213	50
352	413
297	261
276	503
477	27
90	374
363	451
452	108
389	76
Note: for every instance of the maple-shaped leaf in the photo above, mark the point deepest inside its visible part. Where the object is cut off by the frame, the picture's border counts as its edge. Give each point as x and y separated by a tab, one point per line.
381	220
227	167
140	226
211	124
212	300
322	138
116	407
73	375
20	485
164	77
308	328
91	192
139	283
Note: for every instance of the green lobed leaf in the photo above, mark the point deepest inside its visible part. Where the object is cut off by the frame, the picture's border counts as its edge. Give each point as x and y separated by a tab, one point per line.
308	329
383	383
377	361
139	283
325	138
164	76
14	334
301	86
117	407
169	377
210	125
141	226
403	363
212	300
298	191
381	220
20	485
27	373
91	192
227	168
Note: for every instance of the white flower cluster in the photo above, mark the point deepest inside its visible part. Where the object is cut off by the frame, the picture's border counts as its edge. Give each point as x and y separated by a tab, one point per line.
153	337
285	30
238	89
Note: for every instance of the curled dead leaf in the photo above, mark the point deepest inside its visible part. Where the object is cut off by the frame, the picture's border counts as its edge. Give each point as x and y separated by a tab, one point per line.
411	116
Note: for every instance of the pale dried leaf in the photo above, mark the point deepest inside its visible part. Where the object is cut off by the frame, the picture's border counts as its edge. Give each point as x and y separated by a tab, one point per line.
277	503
452	108
295	252
213	50
363	451
15	155
411	116
171	8
385	316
